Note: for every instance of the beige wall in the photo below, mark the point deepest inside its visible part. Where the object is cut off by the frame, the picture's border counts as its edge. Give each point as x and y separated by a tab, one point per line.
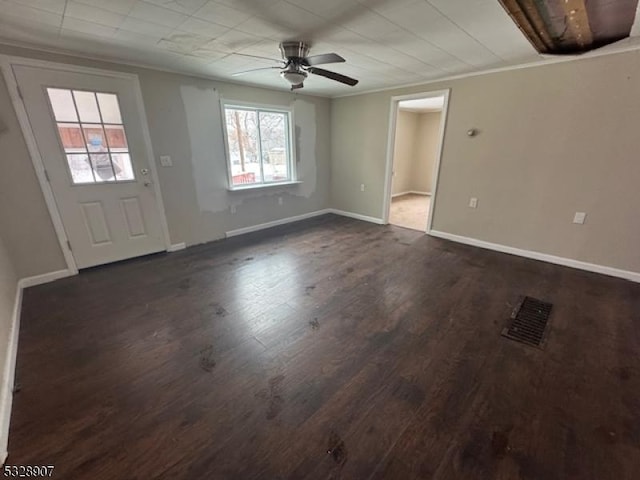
426	151
415	151
25	223
8	288
23	215
552	140
404	151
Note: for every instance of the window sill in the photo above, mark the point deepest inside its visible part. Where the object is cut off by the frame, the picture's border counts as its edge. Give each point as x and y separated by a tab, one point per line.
262	185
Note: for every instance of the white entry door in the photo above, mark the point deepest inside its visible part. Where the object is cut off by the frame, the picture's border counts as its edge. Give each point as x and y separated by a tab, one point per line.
90	135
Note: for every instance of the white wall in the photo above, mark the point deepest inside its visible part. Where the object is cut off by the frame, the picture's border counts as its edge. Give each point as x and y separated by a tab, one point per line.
553	140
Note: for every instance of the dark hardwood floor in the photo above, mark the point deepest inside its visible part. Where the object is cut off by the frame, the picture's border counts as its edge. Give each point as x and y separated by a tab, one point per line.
330	348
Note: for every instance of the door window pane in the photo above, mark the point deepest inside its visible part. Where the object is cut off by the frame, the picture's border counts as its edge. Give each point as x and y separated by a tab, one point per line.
116	138
95	137
71	137
109	108
122	166
92	135
102	168
87	106
80	168
62	105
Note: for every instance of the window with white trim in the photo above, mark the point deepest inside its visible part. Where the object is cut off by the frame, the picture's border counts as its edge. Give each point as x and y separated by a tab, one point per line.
259	145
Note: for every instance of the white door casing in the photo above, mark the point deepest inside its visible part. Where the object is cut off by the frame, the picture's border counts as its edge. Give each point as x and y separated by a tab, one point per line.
104	221
391	140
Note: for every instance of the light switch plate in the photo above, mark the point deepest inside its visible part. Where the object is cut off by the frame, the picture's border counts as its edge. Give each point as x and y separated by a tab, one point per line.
579	218
165	161
473	202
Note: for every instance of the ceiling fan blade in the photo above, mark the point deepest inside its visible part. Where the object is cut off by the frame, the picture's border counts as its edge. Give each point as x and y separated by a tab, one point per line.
278	60
322	59
333	76
254	70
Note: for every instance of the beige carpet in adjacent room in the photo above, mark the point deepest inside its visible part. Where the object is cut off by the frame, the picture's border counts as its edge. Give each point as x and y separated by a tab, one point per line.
410	211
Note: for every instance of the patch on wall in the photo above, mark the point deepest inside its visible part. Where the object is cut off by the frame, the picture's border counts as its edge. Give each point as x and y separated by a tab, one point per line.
304	115
208	155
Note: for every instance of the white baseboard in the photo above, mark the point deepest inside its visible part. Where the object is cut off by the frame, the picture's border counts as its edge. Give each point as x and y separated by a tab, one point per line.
9	371
275	223
400	194
8	376
177	247
297	218
357	216
410	192
44	278
544	257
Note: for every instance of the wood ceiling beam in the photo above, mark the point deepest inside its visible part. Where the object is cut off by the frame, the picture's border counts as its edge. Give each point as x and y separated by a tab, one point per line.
527	17
577	19
572	26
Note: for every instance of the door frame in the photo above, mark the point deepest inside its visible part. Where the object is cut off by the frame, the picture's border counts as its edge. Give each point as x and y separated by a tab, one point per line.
391	143
6	64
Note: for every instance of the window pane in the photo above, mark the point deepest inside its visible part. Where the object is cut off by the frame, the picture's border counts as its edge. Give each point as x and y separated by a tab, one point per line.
273	134
80	168
87	106
71	137
95	152
242	132
62	105
116	138
122	166
102	167
109	108
96	139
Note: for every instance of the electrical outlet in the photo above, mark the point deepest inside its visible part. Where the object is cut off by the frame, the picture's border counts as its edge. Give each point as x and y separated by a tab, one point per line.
280	202
473	202
233	209
362	187
165	161
579	218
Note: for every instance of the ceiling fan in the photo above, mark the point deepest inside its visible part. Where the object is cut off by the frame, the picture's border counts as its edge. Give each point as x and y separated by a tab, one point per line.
296	65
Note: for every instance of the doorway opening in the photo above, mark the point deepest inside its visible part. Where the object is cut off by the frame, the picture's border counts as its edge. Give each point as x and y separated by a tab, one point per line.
415	144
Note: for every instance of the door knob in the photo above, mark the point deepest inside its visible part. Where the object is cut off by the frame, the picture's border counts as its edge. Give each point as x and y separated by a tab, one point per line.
144	171
147	183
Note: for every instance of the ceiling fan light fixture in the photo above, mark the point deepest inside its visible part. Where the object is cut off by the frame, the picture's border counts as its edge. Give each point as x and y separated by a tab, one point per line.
296	65
294	77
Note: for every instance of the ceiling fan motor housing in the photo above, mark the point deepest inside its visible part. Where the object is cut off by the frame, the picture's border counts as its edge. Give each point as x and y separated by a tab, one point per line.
294	52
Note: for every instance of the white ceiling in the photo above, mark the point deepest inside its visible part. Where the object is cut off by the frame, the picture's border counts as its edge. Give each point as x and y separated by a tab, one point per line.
385	42
433	104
